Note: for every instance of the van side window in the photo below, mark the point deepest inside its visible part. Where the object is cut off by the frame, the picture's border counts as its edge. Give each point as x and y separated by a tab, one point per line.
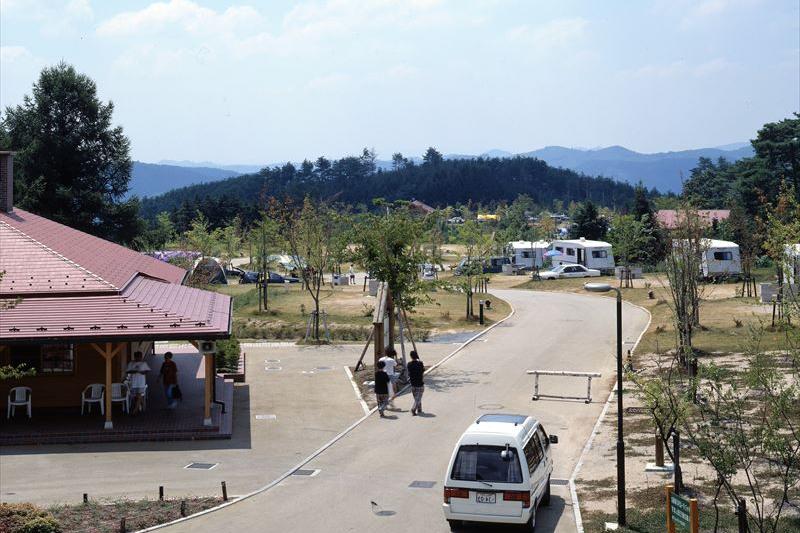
599	254
723	256
543	436
533	453
570	251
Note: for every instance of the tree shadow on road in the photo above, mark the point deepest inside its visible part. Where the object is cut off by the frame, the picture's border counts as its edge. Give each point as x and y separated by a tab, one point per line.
443	380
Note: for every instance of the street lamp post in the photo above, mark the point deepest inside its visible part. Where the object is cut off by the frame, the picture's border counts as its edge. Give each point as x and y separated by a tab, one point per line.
604	287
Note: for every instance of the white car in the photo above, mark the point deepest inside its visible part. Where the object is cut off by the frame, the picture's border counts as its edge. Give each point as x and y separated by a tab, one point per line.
570	271
499	472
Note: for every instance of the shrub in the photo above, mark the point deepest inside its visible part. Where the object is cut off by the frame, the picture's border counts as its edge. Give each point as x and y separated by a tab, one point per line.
26	518
41	524
227	356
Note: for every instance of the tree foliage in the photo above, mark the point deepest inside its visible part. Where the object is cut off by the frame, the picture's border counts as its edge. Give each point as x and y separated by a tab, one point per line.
588	223
72	165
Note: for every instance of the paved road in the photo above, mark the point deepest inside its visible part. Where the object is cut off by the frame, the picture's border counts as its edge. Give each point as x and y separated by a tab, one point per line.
379	459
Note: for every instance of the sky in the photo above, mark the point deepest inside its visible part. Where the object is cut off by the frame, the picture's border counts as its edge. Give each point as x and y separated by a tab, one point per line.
257	82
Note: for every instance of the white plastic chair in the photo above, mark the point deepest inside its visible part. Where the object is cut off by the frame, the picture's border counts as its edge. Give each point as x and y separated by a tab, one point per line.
97	394
121	394
19	396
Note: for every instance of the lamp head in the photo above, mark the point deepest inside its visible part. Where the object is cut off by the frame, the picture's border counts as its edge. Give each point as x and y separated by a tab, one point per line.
597	287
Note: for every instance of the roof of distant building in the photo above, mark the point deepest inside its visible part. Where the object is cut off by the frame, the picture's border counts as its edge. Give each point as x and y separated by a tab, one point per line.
670	218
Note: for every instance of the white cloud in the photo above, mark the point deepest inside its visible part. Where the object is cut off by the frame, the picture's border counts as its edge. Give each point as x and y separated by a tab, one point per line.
682	69
699	12
329	81
182	14
11	54
553	34
54	19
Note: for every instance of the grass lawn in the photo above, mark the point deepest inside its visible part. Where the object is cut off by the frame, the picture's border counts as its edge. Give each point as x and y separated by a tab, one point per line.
725	319
349	312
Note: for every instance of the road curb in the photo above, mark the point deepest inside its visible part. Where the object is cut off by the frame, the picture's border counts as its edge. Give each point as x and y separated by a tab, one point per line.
328	444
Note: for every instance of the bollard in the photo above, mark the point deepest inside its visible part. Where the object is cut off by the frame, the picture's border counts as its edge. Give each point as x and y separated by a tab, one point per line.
741	514
161	493
85	498
480	312
659	450
122	528
183	507
224	492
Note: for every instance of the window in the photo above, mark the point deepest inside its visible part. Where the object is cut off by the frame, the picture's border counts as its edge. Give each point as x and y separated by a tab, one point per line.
559	249
533	453
723	256
484	463
599	254
544	438
526	255
45	358
570	251
58	359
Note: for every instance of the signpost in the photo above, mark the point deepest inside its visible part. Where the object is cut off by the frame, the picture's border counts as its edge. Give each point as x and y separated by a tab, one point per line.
681	513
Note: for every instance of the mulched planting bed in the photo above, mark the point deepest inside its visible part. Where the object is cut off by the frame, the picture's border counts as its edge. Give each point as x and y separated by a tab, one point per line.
105	516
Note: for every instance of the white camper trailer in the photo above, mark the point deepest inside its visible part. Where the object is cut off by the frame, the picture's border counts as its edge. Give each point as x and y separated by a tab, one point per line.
793	263
527	254
720	258
591	254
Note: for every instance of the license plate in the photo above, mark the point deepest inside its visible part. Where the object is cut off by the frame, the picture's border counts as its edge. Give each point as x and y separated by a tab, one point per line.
486	497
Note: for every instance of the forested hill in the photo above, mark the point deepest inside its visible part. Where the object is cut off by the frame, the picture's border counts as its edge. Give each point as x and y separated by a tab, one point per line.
438	182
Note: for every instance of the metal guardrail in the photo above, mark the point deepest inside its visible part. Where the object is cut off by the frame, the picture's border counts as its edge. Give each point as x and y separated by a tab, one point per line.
588	375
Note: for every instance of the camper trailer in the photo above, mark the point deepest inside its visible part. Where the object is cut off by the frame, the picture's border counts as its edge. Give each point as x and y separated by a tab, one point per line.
527	254
591	254
720	259
793	263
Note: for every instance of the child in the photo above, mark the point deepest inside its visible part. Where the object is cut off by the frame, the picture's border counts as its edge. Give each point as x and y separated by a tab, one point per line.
381	388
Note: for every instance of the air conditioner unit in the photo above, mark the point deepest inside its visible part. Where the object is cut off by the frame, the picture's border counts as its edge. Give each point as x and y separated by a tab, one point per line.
208	347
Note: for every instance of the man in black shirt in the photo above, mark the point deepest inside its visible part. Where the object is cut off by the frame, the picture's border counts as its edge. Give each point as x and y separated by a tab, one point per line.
416	370
381	388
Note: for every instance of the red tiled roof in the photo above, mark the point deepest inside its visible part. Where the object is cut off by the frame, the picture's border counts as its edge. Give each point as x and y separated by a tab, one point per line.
30	267
111	263
146	309
669	217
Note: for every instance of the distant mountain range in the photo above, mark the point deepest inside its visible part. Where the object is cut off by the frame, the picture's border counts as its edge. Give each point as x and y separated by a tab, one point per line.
664	170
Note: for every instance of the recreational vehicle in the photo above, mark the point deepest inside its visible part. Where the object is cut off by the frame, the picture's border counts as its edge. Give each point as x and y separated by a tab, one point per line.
591	254
527	254
720	259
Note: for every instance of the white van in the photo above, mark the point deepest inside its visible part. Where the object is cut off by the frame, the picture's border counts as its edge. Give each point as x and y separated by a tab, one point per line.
499	472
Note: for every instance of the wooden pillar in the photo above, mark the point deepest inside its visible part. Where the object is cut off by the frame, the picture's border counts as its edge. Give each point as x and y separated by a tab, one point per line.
108	352
208	360
378	341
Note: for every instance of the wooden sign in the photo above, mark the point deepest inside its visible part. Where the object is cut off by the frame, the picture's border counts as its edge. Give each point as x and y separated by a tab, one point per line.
682	513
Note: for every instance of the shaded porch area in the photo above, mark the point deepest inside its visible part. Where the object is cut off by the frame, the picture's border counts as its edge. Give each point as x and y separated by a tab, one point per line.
66	425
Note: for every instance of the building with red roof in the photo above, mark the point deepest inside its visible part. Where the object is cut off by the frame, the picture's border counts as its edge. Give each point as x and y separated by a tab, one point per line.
670	218
76	307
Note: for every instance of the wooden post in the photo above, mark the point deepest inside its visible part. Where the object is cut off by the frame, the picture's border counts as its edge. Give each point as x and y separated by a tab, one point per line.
659	450
390	312
108	354
694	518
670	525
408	327
208	360
109	424
378	328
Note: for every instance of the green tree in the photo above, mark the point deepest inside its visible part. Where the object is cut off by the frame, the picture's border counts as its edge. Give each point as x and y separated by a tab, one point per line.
388	246
201	238
710	184
477	246
432	157
588	223
72	165
631	239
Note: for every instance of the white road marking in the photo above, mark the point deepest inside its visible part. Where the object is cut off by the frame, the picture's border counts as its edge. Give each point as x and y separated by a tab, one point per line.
364	405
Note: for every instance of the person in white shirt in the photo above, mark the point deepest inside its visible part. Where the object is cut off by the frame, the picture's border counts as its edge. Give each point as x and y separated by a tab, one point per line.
390	362
136	371
352	274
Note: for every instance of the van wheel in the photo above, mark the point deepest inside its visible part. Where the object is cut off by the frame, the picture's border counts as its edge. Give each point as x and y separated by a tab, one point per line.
531	525
546	497
455	525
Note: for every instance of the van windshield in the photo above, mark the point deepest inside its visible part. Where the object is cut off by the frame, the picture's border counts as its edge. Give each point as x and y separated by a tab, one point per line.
484	463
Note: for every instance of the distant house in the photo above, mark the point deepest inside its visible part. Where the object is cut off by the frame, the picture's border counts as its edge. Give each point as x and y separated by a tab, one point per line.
486	217
420	207
670	218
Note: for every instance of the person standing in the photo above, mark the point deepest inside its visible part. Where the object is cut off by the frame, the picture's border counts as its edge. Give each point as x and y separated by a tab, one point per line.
381	387
416	371
136	372
389	364
352	275
169	378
